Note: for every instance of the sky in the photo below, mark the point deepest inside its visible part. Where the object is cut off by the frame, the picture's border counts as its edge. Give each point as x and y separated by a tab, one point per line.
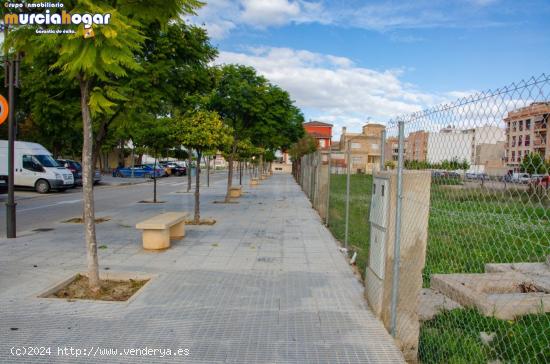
348	61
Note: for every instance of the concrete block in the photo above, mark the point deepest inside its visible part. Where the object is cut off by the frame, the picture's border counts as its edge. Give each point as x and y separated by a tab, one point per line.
502	295
236	191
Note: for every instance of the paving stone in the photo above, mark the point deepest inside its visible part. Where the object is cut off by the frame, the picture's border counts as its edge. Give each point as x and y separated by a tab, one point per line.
275	288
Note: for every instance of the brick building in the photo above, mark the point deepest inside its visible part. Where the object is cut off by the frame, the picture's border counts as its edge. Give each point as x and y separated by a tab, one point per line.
526	132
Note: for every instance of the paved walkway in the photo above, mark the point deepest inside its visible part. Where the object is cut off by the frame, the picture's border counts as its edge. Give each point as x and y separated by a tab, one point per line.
266	284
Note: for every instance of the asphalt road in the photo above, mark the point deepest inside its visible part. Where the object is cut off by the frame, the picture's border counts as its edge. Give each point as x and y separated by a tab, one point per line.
40	211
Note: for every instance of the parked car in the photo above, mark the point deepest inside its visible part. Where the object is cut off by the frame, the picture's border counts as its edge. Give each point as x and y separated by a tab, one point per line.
174	168
76	169
477	176
139	171
159	170
518	178
3	185
35	167
541	180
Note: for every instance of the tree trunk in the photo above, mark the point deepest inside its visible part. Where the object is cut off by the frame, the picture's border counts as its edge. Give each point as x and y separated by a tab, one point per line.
87	187
240	173
230	173
189	170
208	172
155	181
197	190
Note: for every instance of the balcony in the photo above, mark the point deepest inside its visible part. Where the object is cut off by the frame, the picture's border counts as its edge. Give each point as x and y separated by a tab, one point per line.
541	126
539	142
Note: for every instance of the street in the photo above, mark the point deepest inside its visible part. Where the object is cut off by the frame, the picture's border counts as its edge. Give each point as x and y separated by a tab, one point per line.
35	211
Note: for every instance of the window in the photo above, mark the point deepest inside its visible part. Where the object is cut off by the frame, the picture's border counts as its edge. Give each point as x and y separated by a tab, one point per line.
322	143
514	126
528	124
519	156
357	160
520	140
513	156
375	146
527	140
520	125
30	163
513	141
46	160
355	145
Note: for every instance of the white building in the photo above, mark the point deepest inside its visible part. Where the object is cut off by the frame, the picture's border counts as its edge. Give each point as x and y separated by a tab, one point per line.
451	143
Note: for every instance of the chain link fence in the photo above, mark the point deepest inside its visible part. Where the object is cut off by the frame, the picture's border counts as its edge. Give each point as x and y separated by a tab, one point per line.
485	274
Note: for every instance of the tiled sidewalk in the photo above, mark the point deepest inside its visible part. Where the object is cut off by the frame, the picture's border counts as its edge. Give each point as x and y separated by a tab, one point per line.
266	284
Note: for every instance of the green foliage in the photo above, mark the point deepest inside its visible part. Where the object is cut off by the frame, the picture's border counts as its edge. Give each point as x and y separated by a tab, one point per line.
454	337
449	165
390	164
307	144
202	130
533	163
154	136
255	109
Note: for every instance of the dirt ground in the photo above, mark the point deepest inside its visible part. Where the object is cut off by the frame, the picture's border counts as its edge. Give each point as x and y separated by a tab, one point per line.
110	290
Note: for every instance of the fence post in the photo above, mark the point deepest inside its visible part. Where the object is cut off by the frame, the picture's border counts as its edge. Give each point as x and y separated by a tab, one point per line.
328	185
383	151
397	243
347	195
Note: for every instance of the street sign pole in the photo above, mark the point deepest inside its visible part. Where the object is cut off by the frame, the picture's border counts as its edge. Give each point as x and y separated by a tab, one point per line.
11	205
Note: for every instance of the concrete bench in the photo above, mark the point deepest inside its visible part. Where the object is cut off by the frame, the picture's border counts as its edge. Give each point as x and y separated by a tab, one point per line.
158	230
236	191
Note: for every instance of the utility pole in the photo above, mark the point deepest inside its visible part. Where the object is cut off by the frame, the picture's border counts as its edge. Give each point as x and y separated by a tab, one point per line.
11	81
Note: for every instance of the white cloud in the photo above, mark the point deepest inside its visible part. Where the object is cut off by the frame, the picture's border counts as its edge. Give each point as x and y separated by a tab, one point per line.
333	88
265	13
220	17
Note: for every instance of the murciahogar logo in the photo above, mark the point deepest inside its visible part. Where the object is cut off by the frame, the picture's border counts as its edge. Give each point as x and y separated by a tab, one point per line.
49	17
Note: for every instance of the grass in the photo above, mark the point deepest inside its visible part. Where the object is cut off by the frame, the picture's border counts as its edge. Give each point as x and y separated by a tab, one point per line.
359	229
453	337
467	228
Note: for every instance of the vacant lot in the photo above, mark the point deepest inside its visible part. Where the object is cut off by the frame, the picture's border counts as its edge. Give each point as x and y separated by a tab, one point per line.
468	227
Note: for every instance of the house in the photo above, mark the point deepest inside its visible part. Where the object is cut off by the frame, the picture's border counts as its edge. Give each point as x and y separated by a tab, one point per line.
322	132
365	148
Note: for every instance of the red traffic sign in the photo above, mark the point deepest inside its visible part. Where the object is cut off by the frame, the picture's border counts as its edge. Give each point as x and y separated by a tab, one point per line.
4	109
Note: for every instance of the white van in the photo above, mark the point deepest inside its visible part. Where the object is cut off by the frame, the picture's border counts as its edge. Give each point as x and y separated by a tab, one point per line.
35	167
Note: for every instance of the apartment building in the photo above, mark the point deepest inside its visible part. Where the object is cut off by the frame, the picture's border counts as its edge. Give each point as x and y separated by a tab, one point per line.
391	149
526	132
365	147
417	146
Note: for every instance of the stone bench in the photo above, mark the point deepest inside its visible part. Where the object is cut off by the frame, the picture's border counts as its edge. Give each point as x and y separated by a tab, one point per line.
236	191
254	182
158	230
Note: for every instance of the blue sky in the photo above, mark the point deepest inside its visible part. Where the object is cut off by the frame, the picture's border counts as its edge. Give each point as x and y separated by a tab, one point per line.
346	61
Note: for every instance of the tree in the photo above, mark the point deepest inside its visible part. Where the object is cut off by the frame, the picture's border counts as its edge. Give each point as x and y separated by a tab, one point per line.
156	137
202	131
238	100
110	54
533	163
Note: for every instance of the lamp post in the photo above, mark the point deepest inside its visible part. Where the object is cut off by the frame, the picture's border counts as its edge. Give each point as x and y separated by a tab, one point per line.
11	81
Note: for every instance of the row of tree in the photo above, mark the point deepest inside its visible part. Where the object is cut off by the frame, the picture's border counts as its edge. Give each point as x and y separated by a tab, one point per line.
146	77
